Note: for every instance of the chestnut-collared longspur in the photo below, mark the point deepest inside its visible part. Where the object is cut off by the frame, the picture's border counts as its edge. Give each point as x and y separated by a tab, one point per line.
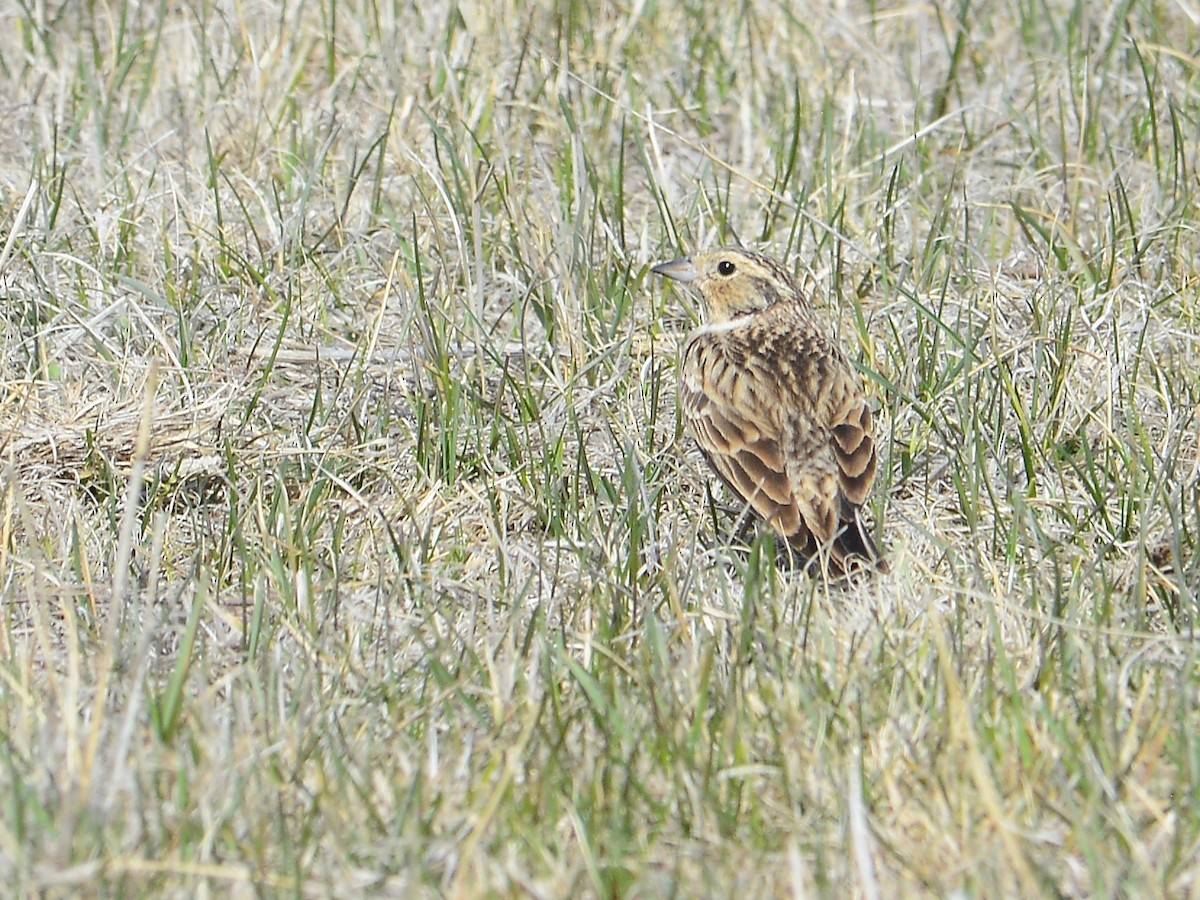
777	408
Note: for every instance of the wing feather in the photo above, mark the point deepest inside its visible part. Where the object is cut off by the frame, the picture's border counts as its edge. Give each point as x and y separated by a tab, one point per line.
806	466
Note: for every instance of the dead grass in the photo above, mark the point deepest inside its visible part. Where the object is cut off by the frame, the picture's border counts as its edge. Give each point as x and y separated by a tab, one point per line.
350	540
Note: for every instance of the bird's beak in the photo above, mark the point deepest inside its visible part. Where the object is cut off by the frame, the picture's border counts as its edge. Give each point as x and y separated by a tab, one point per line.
682	269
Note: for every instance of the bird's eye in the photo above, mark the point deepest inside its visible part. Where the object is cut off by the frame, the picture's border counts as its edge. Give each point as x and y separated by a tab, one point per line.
726	268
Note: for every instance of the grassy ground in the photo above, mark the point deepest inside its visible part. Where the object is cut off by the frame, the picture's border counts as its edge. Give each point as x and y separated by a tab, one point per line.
349	537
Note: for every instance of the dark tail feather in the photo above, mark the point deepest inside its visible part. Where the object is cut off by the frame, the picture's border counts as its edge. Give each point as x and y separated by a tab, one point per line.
853	549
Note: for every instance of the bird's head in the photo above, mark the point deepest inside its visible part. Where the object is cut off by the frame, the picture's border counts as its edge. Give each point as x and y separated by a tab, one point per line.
733	282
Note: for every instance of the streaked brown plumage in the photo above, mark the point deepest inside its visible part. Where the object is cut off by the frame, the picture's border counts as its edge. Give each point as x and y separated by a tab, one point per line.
777	408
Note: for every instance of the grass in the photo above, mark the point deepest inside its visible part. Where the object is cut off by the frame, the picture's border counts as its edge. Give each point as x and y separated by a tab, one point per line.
350	540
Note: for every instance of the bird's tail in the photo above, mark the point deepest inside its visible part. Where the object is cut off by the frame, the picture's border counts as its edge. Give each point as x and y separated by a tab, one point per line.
853	549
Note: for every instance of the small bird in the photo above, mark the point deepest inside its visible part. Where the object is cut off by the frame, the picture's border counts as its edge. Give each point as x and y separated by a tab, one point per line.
777	408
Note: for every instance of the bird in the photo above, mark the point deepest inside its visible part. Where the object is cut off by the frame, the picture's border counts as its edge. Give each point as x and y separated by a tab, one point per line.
777	408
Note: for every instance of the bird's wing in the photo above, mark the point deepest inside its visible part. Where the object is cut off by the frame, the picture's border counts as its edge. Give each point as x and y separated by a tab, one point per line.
741	434
800	455
834	464
853	431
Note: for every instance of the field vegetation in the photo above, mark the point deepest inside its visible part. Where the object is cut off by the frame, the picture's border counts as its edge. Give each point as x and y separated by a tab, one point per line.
350	539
